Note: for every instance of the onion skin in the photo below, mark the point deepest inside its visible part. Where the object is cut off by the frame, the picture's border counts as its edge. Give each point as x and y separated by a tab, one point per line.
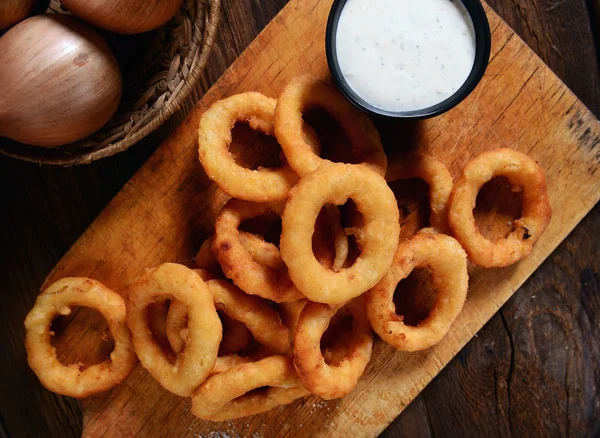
13	11
60	81
124	16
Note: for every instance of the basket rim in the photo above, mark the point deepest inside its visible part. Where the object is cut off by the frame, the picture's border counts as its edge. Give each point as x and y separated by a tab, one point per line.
39	154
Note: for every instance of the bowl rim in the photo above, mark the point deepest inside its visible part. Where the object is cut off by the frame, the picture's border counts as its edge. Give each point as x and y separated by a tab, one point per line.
483	44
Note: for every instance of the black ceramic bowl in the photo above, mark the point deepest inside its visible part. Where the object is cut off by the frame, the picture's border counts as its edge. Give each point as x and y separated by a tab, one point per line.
483	41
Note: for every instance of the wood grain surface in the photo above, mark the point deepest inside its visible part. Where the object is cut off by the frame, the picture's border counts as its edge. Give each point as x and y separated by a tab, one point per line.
499	377
169	206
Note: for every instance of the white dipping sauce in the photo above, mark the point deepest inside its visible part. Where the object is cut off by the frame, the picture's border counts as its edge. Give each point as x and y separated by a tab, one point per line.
402	55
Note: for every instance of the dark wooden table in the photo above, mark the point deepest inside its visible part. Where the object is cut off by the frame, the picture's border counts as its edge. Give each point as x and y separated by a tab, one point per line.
533	370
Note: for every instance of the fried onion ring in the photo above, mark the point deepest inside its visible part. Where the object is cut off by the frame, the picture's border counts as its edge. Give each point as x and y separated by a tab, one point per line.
330	241
261	319
197	359
69	380
448	263
204	274
335	184
434	173
261	251
214	138
177	323
225	363
230	394
205	259
236	261
236	336
331	380
304	92
290	315
156	313
340	238
522	172
410	218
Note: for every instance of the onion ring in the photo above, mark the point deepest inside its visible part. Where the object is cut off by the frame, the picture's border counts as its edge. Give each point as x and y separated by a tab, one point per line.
236	336
290	315
204	274
329	241
261	251
410	222
175	326
523	172
265	253
214	138
435	174
261	319
448	263
236	261
305	91
69	380
331	381
197	359
205	259
229	395
335	184
340	239
225	363
156	313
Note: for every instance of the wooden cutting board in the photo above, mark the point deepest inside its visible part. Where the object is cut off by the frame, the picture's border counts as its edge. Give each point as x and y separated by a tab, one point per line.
169	206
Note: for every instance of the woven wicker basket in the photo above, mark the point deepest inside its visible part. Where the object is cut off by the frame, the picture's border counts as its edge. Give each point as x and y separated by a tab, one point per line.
156	84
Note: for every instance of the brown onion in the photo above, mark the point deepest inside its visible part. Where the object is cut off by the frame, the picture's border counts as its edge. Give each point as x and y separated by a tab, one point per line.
124	16
60	81
13	11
